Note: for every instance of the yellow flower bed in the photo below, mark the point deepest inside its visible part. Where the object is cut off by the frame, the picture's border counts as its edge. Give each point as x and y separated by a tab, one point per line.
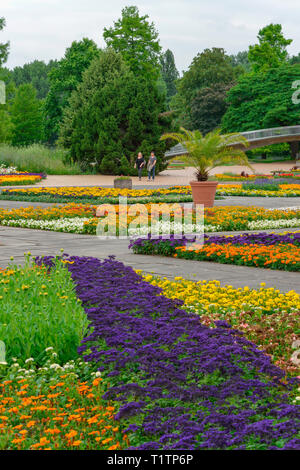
99	192
210	296
10	180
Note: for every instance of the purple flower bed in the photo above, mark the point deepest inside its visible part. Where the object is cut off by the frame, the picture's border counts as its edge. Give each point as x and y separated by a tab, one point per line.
257	238
179	384
166	247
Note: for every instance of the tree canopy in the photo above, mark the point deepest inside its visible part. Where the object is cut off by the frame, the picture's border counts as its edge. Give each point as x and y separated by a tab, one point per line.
270	52
136	39
64	79
169	72
262	100
26	116
211	70
4	47
113	114
35	73
209	106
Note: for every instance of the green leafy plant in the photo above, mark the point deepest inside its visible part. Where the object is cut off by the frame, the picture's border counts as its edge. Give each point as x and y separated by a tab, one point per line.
39	309
207	152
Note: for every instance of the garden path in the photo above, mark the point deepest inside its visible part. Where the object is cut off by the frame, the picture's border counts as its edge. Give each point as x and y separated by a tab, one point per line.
165	178
16	241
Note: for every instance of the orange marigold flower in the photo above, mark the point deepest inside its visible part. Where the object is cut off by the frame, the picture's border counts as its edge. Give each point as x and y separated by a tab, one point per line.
71	434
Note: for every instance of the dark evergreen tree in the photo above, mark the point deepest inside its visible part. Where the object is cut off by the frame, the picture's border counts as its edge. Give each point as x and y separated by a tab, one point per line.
169	73
113	114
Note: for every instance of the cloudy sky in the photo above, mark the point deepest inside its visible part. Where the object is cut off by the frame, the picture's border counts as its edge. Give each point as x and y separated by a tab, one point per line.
42	29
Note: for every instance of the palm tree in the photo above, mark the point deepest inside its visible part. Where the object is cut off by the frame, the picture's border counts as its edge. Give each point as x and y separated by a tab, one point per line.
207	152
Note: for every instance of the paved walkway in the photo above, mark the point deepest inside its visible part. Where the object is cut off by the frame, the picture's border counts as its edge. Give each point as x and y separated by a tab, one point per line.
165	178
16	241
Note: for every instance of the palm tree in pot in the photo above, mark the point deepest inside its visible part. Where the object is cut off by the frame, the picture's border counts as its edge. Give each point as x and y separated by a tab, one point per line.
207	152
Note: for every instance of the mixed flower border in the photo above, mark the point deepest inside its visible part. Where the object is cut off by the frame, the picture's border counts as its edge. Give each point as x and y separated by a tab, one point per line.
110	195
261	250
79	218
21	179
156	377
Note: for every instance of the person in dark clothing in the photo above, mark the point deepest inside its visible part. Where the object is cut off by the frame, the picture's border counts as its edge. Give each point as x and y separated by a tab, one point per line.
151	166
139	164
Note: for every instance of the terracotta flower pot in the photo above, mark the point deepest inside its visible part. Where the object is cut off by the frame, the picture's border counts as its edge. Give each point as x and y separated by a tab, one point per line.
204	192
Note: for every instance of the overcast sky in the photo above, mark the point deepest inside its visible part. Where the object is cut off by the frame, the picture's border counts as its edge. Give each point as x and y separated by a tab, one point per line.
42	29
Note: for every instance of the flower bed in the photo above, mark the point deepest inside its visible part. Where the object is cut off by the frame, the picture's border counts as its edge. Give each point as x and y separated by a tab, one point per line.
49	408
280	190
273	178
76	218
20	179
267	317
99	195
179	384
165	380
284	257
260	250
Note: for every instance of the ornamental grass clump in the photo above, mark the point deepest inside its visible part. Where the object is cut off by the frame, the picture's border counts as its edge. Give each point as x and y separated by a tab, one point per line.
179	383
38	310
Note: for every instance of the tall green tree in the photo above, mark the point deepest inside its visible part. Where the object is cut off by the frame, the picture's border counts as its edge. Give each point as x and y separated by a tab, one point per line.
35	73
113	114
169	72
263	100
4	47
208	107
27	118
241	60
136	39
270	52
6	90
64	78
212	68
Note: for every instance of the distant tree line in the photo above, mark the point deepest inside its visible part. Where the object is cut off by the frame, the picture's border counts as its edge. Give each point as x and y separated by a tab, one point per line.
105	105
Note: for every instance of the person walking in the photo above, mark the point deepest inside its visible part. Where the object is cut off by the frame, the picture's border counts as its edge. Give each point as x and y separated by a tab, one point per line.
151	166
139	164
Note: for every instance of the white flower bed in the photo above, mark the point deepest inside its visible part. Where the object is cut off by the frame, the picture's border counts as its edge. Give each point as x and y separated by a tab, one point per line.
7	170
266	224
171	227
76	225
72	225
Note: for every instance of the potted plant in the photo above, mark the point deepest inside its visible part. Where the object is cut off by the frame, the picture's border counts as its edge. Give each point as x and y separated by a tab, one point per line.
207	152
123	182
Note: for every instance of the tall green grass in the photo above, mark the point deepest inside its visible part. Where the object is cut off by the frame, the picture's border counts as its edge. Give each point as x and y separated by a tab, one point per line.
38	159
39	309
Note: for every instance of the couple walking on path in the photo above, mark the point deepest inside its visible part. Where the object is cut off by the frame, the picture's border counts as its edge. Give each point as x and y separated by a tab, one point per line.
140	164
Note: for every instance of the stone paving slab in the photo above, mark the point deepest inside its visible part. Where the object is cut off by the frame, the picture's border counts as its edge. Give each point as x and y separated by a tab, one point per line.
16	241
